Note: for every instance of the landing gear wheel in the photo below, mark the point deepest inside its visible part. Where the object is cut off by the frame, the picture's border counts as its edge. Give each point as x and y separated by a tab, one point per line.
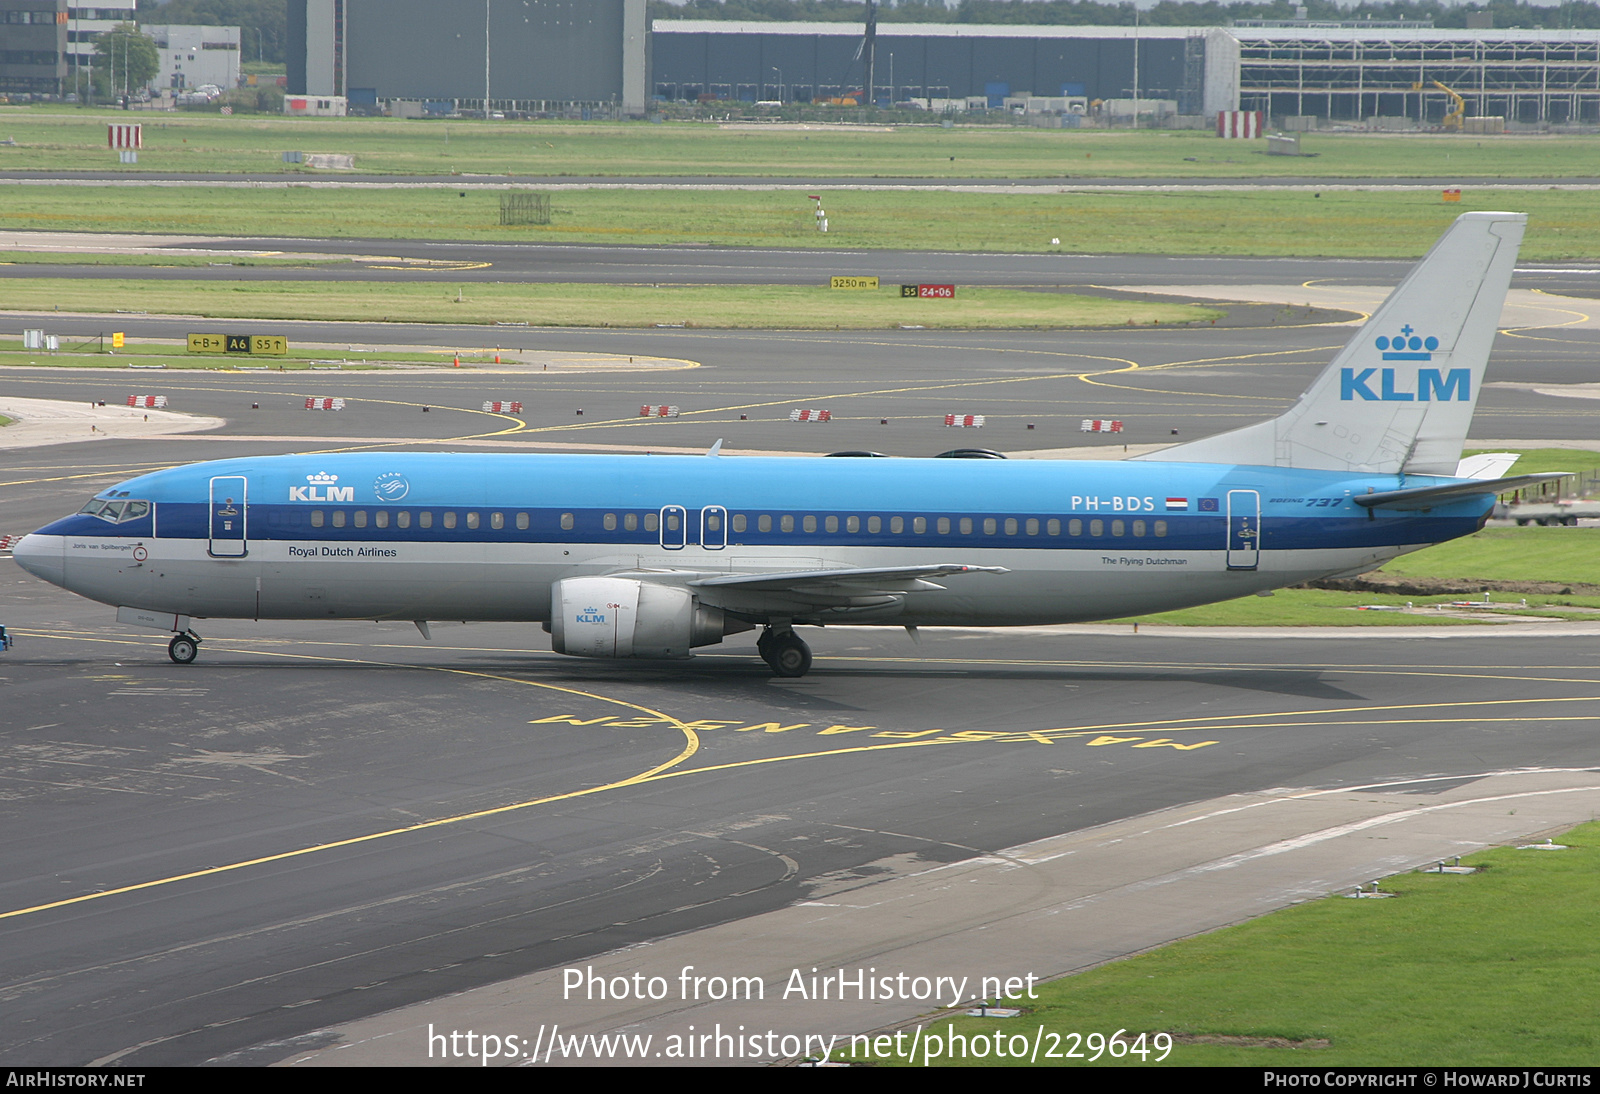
183	649
788	655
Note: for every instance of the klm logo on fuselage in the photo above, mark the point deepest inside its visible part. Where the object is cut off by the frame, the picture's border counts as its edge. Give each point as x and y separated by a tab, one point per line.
322	488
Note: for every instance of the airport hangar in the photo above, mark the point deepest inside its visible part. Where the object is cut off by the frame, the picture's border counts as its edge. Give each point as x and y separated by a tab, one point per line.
549	53
1337	72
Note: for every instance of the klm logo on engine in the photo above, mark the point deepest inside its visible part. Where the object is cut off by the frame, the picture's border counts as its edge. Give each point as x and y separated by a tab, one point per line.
589	615
1432	385
322	488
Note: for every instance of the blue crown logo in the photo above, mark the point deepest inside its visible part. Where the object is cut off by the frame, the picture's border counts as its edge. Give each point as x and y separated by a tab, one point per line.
1407	346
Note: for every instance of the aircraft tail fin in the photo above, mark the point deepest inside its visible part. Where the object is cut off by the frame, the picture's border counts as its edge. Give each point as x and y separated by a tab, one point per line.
1399	397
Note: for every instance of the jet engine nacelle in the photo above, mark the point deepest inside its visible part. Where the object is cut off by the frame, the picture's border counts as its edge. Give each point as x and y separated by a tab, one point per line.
619	617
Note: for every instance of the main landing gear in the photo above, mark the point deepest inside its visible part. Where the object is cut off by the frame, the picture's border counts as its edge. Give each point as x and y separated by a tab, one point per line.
785	651
184	648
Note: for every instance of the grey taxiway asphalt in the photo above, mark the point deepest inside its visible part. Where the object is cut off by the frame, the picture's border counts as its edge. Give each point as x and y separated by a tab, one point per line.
317	824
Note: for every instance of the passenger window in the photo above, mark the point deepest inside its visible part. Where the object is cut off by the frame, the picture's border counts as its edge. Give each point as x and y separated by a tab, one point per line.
919	525
989	526
497	520
652	521
630	522
1117	527
897	525
567	521
966	526
786	523
472	521
609	522
810	523
713	522
874	525
1097	527
402	519
425	519
739	523
1033	526
449	520
831	524
944	526
381	518
1074	527
1161	528
1011	527
338	518
1138	528
361	518
317	518
764	523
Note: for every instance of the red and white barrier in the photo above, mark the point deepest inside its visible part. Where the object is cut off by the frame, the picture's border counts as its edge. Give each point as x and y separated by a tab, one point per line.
7	542
324	404
1247	124
1100	425
121	136
495	406
811	415
964	421
658	412
149	402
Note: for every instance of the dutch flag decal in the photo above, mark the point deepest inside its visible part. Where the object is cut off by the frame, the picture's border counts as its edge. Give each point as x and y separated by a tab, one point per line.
1177	504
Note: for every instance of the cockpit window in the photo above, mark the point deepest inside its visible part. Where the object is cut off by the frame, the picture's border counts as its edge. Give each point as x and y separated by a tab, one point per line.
116	512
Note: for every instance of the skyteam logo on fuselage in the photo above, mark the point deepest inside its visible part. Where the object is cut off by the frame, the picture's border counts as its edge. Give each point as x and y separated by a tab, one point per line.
322	488
391	486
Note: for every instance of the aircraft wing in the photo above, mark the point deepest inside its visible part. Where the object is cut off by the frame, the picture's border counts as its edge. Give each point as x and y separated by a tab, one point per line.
835	593
1426	497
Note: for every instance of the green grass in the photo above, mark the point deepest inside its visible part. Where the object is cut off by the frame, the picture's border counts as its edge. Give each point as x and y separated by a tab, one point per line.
47	258
1498	968
1536	460
1330	608
1510	554
1566	555
77	355
724	306
74	139
4	421
1393	224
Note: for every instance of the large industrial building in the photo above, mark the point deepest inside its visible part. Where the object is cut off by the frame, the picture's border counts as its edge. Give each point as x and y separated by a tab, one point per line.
47	46
1336	71
514	54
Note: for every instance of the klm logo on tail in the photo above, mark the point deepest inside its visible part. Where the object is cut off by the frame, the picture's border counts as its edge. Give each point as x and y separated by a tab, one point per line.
1431	384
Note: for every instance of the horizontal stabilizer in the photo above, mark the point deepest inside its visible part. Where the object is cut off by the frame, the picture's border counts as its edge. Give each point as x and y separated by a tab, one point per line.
1426	497
1486	465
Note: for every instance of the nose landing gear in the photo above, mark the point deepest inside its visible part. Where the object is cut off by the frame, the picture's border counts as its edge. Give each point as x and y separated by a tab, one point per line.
184	648
784	651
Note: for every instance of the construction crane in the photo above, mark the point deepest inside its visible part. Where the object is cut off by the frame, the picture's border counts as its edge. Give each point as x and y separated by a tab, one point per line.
1452	120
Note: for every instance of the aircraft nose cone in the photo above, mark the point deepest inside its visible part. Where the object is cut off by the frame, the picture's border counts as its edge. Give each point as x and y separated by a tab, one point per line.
43	557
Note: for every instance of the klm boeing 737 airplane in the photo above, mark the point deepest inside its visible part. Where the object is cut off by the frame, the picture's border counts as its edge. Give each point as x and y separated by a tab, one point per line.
652	556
